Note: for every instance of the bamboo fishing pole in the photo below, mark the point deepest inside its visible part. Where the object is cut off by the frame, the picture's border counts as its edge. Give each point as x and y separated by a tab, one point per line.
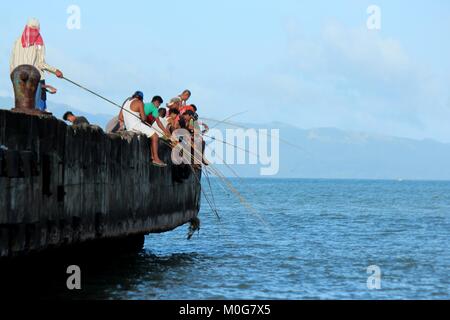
268	134
241	198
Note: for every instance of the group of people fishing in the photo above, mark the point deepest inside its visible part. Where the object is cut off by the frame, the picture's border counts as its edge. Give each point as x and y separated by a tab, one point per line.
28	67
151	119
158	122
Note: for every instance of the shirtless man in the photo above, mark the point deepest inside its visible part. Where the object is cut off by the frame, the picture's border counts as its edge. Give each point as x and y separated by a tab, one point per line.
133	117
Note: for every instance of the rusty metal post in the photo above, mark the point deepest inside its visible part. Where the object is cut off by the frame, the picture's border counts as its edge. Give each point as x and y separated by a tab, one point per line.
25	79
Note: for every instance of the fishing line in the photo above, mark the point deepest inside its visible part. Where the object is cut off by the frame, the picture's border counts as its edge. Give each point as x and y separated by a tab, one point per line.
227	192
226	119
210	190
268	134
227	165
217	172
116	105
232	145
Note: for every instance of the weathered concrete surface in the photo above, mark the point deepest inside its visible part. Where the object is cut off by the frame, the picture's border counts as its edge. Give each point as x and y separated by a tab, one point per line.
62	185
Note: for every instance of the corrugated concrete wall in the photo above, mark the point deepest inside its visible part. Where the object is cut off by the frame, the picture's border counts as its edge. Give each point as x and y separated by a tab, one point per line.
61	185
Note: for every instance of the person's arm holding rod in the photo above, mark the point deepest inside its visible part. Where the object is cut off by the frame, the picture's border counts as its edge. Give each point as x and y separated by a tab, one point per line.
164	130
45	67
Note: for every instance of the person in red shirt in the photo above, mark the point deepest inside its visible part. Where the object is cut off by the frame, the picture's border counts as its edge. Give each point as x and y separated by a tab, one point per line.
183	109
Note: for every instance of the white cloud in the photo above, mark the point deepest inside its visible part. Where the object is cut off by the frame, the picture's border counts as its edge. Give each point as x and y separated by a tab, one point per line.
358	79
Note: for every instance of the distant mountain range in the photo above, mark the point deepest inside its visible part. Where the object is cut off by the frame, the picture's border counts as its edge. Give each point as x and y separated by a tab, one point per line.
331	153
338	154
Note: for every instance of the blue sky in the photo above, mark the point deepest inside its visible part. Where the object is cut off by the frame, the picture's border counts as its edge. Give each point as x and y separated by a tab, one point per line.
309	64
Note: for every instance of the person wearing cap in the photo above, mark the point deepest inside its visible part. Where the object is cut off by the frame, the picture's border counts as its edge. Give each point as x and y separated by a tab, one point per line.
133	116
175	103
121	125
29	49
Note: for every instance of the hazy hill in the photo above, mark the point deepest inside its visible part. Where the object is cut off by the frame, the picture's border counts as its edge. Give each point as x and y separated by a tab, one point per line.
334	153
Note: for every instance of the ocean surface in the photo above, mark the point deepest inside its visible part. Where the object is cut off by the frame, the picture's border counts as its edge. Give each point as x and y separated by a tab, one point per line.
294	239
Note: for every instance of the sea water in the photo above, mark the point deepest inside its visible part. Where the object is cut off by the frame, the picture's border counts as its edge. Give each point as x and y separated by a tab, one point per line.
297	239
291	239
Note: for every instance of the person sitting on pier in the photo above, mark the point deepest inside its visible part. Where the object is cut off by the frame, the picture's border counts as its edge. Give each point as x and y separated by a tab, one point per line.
29	49
161	125
120	126
172	122
133	116
113	126
175	103
151	109
197	125
162	112
153	117
76	121
185	97
185	108
185	121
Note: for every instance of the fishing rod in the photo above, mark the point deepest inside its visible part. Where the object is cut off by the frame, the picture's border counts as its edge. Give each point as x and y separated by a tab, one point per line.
227	165
156	129
213	208
226	119
214	170
232	145
210	189
268	134
230	186
119	106
227	192
241	198
92	92
115	104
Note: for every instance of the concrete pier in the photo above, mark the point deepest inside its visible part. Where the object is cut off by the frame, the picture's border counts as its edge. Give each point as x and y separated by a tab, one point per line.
62	185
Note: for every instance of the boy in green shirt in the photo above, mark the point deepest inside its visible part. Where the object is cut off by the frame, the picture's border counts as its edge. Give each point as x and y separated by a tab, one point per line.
151	109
